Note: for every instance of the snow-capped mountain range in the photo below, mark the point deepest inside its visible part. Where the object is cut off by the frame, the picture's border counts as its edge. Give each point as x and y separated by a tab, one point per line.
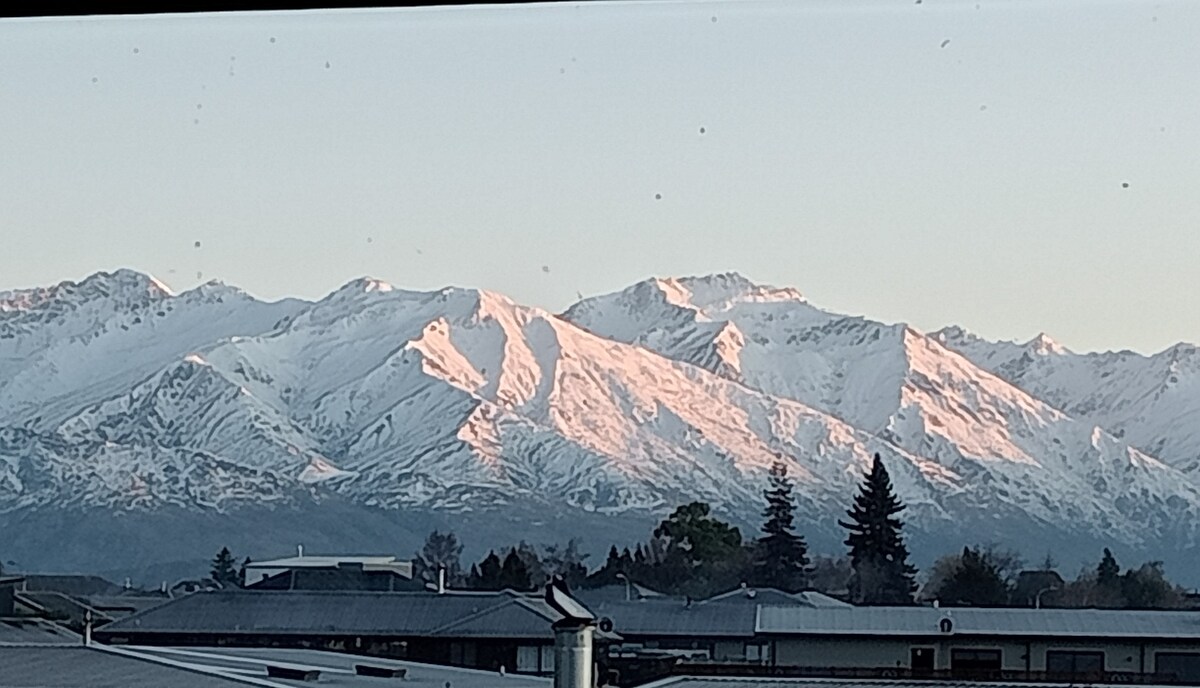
136	423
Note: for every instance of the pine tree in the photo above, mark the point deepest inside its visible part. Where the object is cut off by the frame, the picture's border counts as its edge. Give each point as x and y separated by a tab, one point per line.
882	574
223	570
488	574
626	563
780	556
607	573
1108	572
474	579
514	573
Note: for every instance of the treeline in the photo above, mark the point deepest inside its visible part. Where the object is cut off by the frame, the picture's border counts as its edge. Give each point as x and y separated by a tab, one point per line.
988	577
693	553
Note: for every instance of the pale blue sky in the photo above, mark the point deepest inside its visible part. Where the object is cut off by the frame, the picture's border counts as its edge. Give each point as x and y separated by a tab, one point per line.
845	153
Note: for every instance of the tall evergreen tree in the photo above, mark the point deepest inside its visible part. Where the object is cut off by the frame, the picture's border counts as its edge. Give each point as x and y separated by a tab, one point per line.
626	563
488	577
224	571
780	555
882	574
514	573
1108	572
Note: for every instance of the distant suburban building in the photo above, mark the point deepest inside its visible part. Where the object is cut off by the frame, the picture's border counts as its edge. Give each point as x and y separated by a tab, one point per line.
720	628
1053	644
382	573
21	626
485	630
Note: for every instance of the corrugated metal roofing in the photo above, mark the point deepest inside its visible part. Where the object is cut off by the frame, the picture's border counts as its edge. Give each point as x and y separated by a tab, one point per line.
775	597
82	667
768	682
27	631
925	621
344	613
672	618
337	668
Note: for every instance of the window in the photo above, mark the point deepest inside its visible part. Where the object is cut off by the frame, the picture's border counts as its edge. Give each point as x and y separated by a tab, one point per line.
1184	666
547	658
1074	662
758	653
527	659
975	661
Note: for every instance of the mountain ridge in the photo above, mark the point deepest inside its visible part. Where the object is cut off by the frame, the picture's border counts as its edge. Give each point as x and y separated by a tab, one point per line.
462	402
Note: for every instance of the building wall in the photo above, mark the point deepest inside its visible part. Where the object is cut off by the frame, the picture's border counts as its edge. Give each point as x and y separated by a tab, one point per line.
1016	655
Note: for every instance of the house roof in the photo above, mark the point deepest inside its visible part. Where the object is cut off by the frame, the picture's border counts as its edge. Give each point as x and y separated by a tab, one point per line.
925	621
616	593
137	667
84	667
337	668
58	603
30	631
674	618
118	606
773	682
774	596
77	585
502	615
369	563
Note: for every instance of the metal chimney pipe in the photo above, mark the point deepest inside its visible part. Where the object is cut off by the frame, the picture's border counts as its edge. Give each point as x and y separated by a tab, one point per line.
441	580
87	628
574	666
299	550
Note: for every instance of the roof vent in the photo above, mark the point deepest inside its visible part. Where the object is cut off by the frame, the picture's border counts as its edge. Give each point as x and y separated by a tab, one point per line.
293	674
379	671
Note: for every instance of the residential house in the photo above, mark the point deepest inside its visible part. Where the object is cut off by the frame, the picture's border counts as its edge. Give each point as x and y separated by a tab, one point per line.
485	630
381	573
1053	644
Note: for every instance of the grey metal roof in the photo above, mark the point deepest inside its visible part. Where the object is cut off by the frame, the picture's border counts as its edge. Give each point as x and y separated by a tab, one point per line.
770	682
615	593
58	603
337	668
773	596
345	613
924	621
83	667
29	631
114	605
673	618
71	584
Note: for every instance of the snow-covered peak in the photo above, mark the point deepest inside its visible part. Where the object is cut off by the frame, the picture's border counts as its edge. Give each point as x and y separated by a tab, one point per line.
122	285
719	292
1043	345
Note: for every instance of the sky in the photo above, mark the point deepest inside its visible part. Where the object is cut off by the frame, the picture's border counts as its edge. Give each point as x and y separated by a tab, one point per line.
1011	167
